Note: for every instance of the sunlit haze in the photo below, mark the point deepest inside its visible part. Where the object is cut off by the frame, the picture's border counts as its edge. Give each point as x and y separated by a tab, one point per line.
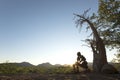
39	31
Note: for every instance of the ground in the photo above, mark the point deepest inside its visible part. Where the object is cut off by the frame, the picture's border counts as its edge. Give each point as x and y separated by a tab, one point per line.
79	76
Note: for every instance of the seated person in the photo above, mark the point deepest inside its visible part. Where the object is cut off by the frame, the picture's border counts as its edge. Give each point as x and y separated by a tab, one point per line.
81	62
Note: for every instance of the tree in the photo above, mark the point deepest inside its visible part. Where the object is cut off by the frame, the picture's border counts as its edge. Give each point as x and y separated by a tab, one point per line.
97	45
105	27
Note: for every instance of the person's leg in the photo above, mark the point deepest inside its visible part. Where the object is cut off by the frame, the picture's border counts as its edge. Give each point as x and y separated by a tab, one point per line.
74	68
77	67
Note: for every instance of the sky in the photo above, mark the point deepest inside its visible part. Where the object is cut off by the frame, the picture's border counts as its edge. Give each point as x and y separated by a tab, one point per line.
39	31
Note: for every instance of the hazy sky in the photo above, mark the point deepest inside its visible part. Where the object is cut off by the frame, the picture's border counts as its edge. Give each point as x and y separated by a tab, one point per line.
40	31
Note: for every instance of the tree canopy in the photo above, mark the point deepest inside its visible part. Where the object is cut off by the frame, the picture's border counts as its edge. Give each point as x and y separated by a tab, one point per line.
109	17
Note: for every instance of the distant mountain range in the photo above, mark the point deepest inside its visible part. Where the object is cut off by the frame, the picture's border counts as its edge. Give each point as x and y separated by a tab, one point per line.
24	64
27	64
47	64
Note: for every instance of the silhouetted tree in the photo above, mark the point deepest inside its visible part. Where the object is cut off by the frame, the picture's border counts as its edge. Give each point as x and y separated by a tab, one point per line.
105	27
97	45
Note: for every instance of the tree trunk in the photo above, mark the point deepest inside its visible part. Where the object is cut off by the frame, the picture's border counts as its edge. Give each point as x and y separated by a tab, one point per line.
96	59
99	51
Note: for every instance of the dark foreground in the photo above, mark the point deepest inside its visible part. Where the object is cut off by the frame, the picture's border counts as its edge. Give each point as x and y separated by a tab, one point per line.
80	76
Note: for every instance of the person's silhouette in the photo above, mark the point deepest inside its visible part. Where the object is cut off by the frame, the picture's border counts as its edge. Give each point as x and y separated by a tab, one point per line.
81	62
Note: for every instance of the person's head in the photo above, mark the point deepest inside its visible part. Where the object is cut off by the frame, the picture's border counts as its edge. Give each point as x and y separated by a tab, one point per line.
78	54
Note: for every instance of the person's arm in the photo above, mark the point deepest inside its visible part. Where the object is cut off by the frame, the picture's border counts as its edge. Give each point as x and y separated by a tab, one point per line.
79	60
